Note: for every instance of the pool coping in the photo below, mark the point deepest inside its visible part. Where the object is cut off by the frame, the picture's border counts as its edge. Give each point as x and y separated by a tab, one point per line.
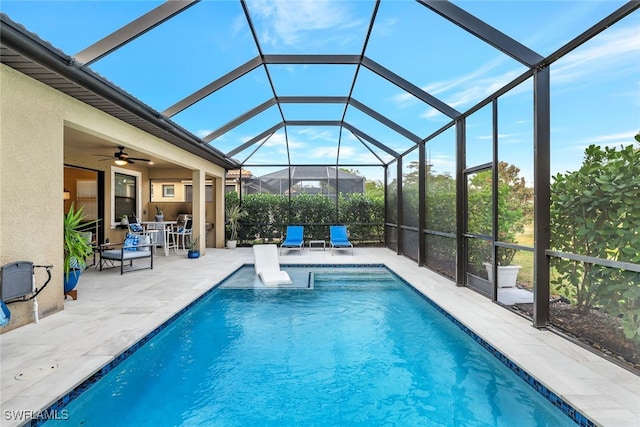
565	407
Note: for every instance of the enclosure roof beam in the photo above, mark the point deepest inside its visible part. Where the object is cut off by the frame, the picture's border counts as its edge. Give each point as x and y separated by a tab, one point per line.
483	31
132	30
370	139
410	88
368	148
312	99
245	68
312	59
239	120
385	121
249	143
312	123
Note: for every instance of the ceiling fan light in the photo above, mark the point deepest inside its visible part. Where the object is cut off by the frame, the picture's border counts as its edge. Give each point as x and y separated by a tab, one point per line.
121	162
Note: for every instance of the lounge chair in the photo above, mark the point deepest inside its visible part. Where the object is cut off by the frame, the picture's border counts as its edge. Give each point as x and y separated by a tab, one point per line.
294	238
265	259
338	238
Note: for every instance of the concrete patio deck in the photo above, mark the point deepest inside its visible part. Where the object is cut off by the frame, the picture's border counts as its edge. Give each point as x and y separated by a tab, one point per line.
113	311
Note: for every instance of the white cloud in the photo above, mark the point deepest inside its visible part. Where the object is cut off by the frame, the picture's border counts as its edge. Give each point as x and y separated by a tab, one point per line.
291	23
368	158
462	91
610	140
618	47
278	140
442	163
500	136
315	134
614	49
320	152
204	132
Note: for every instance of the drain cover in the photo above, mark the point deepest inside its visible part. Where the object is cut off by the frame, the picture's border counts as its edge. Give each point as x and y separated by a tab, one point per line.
36	371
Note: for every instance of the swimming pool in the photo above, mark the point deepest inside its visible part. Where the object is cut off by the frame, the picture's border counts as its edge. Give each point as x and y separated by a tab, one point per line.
348	346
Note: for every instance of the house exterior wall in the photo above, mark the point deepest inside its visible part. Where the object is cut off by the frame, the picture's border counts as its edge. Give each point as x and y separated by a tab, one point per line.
31	185
33	120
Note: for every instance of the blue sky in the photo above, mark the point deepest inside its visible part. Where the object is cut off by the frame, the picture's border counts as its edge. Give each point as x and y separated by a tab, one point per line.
595	90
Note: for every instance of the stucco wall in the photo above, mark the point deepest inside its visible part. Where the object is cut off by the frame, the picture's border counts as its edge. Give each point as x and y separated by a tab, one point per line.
33	118
31	204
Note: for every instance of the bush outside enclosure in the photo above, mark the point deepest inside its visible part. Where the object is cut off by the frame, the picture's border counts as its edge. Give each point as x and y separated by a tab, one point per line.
595	211
266	216
515	209
441	217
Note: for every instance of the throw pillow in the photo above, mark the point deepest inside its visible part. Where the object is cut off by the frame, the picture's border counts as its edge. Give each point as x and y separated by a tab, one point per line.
142	241
136	227
130	242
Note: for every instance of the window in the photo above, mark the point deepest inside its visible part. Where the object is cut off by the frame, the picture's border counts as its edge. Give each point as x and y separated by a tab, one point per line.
168	190
208	193
125	194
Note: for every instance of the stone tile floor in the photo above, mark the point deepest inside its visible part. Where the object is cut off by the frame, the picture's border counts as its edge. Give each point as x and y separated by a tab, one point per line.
114	311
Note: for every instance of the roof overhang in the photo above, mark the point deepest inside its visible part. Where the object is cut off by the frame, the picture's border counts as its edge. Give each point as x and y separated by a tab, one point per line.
28	54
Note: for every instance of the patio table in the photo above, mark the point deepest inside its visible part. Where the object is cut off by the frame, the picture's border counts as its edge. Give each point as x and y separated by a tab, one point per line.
163	238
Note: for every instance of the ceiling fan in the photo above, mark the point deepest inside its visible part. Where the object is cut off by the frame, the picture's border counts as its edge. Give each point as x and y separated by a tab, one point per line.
122	158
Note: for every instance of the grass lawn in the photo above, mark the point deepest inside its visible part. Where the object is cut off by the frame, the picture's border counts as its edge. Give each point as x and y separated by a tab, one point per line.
525	258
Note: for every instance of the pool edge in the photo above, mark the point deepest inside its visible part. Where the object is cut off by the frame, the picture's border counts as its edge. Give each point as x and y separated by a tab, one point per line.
567	409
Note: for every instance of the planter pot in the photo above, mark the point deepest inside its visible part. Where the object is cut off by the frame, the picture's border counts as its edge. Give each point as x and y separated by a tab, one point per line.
193	254
159	218
71	281
507	274
231	244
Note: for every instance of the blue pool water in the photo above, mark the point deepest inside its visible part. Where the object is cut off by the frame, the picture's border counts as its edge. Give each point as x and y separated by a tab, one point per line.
350	347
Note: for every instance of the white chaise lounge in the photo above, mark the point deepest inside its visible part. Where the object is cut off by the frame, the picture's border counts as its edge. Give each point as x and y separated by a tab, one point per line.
265	258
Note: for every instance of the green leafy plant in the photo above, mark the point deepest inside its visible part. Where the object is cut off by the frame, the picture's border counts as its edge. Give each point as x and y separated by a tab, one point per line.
233	216
159	210
364	213
595	211
194	244
514	209
265	215
76	247
314	210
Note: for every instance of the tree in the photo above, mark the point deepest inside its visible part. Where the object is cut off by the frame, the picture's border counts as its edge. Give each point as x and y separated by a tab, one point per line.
515	208
374	188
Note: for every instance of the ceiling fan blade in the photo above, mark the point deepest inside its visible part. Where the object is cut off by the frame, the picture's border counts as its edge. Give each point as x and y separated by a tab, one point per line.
140	159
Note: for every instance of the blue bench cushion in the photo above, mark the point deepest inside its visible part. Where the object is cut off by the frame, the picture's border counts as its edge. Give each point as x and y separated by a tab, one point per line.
115	254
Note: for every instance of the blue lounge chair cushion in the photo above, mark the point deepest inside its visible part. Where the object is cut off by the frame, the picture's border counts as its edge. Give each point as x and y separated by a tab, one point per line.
338	237
295	236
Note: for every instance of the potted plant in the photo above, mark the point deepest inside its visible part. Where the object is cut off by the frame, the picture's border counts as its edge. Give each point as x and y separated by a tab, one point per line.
194	248
76	247
124	219
159	213
234	214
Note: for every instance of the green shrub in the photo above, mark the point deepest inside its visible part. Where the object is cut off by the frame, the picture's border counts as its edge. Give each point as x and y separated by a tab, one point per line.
595	211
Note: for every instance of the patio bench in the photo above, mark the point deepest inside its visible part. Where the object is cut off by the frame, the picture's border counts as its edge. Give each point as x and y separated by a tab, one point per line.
128	252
